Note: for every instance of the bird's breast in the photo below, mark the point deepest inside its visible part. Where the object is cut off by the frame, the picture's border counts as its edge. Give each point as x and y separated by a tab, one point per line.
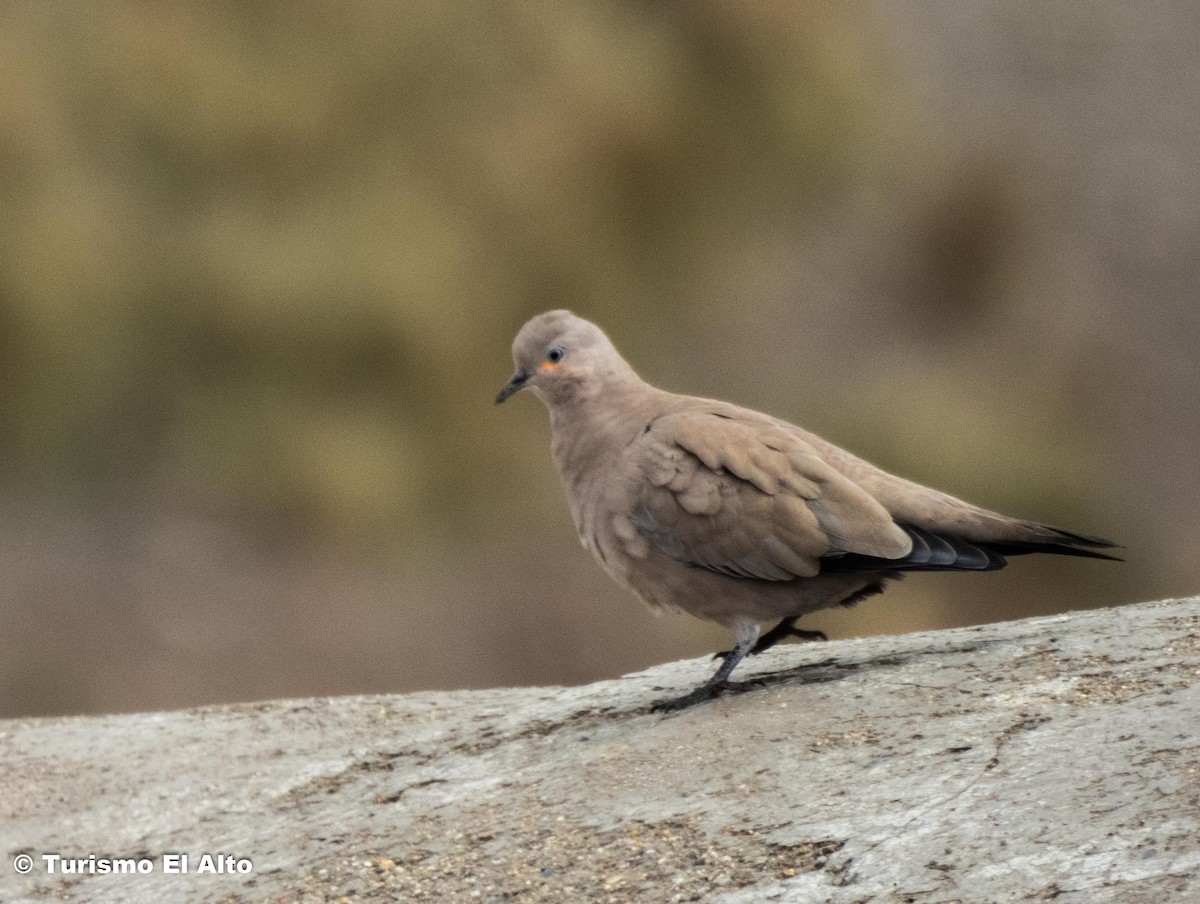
599	498
590	446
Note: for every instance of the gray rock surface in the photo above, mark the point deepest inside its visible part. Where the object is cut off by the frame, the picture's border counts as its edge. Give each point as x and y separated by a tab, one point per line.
1049	759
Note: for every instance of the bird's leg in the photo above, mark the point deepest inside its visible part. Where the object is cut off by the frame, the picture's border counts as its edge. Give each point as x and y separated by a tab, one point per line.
785	628
747	633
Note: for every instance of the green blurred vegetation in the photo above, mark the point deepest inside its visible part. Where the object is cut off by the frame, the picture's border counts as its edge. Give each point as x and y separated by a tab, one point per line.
264	257
260	265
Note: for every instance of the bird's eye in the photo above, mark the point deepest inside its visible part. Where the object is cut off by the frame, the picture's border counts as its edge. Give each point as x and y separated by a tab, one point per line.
555	354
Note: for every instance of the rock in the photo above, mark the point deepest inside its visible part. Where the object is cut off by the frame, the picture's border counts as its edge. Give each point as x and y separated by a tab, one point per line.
1048	759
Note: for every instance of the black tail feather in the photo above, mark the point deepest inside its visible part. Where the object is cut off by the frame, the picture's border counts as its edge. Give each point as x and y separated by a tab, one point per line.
935	551
1056	549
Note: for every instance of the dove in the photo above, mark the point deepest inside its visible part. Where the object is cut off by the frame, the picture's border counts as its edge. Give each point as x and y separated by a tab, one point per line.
735	516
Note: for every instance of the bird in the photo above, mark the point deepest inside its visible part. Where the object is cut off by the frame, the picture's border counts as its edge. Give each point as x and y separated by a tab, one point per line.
735	516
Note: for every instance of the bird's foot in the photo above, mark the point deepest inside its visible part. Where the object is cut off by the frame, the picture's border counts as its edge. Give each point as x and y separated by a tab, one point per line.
800	633
785	628
747	633
773	637
699	695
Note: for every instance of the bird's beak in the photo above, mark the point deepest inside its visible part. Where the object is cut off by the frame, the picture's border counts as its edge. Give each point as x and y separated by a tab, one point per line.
516	384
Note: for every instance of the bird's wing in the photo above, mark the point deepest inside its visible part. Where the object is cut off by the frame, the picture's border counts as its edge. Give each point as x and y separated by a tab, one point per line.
743	496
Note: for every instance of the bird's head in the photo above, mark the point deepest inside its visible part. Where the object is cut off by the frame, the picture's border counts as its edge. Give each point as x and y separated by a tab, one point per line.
562	357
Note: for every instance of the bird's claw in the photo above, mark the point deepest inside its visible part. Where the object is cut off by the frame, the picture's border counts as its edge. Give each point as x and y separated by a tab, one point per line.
699	695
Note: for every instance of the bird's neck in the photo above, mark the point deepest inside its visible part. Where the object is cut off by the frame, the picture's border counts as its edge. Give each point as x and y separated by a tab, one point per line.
594	426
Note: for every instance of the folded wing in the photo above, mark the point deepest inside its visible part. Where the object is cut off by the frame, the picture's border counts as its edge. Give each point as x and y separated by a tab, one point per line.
742	496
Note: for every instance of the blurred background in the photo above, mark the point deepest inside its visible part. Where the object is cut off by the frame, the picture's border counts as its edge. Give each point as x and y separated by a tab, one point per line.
261	265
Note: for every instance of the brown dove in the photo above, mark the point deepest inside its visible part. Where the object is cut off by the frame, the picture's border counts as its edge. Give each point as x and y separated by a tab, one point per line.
735	516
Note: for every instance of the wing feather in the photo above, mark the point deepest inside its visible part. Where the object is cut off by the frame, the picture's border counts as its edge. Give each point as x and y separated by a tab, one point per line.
740	495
